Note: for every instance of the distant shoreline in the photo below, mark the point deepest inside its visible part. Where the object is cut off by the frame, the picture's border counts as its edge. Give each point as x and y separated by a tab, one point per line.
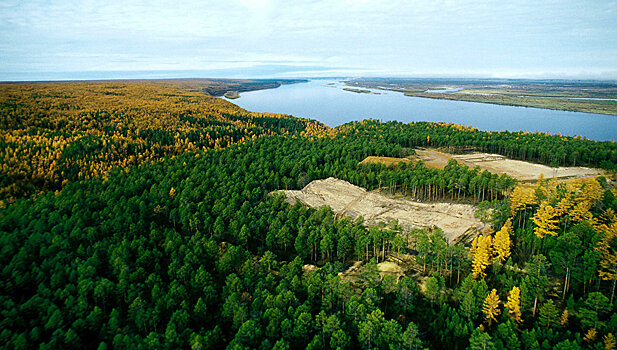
540	102
572	96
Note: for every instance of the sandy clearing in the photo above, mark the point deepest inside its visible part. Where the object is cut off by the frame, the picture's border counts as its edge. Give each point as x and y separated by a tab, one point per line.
396	267
433	159
353	201
387	161
499	164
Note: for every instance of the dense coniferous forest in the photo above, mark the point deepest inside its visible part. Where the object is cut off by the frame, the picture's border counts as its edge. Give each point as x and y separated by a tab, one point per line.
190	247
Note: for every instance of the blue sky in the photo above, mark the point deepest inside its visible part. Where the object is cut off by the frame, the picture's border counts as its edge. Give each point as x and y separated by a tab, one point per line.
64	39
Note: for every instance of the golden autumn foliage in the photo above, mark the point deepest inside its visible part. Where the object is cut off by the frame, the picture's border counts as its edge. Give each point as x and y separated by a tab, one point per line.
54	132
490	307
514	304
562	203
586	192
521	198
591	335
608	263
481	252
563	319
546	220
609	342
501	242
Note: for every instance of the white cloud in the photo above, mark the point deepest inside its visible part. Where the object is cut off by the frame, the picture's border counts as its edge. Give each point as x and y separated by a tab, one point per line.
440	37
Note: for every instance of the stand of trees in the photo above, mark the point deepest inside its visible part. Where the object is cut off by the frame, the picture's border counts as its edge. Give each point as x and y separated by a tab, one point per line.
535	147
194	251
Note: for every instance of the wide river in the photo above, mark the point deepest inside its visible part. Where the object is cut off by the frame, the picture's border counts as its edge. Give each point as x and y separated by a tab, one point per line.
326	101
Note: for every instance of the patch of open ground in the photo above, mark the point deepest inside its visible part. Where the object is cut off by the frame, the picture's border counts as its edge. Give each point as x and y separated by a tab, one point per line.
394	265
499	164
387	161
353	201
433	159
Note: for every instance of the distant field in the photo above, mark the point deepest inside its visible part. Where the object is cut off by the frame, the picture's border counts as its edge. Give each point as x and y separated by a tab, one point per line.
579	96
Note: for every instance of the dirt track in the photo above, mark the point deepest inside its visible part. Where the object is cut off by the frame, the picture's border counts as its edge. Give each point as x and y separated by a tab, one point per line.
498	164
353	201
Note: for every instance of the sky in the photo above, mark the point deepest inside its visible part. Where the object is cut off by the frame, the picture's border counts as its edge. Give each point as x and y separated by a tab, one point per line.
85	39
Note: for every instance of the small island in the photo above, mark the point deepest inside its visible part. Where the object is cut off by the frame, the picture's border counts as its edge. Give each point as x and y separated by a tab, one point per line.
361	91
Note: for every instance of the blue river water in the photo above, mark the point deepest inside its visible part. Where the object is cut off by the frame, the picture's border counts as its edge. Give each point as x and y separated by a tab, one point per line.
326	101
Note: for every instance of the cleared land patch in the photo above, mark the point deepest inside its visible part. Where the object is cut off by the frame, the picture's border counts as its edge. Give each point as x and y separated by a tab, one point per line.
353	201
499	164
387	161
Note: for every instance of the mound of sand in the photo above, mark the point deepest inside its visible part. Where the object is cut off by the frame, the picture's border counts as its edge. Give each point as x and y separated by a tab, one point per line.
353	201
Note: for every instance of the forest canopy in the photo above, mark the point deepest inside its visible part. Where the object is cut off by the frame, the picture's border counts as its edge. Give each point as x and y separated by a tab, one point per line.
184	246
56	132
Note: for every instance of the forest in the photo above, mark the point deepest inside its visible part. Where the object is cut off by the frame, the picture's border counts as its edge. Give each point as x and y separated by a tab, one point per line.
57	132
142	216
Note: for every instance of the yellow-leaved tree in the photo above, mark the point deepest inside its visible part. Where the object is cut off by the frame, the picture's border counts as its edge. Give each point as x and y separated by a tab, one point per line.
609	341
501	242
520	199
491	307
588	192
563	320
481	253
591	335
546	220
608	248
514	304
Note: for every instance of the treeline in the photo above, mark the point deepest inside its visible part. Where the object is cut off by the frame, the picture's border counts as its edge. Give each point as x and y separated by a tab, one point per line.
52	133
535	147
454	182
218	87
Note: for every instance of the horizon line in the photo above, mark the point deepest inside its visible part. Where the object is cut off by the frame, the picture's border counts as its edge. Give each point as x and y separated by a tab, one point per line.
291	77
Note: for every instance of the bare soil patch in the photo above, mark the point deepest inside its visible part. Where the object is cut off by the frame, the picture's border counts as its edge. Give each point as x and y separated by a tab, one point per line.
400	266
433	159
499	164
387	161
353	201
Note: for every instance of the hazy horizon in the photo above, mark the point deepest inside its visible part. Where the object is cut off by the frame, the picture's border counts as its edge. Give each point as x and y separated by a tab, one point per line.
83	40
179	75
